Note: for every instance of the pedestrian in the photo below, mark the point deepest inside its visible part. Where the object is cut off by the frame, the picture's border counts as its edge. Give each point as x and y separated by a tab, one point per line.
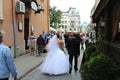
73	50
56	61
32	43
78	40
44	36
40	44
87	39
82	42
48	37
7	65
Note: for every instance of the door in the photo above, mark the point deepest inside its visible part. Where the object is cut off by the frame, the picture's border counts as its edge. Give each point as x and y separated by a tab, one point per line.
26	31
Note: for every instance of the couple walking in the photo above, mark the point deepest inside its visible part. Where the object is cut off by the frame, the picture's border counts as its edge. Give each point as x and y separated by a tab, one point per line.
56	61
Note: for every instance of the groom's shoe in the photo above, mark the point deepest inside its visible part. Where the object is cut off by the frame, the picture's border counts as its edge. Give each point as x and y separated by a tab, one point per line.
76	69
70	72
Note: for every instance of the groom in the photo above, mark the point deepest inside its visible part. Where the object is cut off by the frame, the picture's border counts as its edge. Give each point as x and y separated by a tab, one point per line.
74	49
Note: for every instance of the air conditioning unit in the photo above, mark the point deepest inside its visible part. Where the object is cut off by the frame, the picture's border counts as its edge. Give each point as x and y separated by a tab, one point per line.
20	7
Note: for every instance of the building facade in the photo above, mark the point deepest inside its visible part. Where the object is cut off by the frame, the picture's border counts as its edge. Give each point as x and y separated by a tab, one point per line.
107	19
64	22
18	18
70	20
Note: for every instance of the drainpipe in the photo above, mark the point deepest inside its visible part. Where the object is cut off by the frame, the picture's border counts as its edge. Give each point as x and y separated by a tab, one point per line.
14	29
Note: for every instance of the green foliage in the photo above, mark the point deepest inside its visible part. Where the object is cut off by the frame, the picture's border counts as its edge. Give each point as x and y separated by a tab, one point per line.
55	17
100	38
118	77
91	48
100	67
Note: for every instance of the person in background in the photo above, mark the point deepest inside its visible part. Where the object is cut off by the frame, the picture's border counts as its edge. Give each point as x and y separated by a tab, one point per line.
52	33
32	45
78	40
7	65
44	36
87	39
82	42
48	37
40	44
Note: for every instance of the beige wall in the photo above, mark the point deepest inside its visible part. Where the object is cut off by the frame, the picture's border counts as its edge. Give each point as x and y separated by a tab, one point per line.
40	22
6	24
9	15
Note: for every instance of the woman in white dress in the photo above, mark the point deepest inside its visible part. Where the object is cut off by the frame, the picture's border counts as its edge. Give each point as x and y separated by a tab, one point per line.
56	62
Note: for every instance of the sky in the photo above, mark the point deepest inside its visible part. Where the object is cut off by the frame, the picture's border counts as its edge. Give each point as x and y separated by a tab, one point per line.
83	6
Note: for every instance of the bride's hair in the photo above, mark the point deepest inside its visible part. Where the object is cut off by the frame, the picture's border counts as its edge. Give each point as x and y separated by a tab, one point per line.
53	43
1	37
59	36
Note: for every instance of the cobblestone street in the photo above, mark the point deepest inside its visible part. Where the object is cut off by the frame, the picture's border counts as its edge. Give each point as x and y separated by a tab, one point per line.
37	75
59	39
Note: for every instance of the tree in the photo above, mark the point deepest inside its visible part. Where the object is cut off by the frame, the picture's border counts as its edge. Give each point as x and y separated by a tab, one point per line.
55	17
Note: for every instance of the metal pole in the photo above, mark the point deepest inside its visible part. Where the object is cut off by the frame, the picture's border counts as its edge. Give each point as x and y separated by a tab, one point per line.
15	38
14	28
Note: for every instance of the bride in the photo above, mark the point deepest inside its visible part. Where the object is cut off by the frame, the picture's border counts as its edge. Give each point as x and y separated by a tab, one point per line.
56	61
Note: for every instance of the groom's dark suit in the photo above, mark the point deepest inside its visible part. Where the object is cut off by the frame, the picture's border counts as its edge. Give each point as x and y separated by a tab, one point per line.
73	50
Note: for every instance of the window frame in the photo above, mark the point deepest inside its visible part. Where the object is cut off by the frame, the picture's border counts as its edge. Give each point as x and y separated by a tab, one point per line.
1	10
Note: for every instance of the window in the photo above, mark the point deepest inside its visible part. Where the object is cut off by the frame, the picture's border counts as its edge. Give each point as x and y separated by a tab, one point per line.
65	22
65	26
1	11
59	26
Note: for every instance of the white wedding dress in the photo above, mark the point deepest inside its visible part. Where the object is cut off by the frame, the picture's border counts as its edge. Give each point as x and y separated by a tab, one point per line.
56	61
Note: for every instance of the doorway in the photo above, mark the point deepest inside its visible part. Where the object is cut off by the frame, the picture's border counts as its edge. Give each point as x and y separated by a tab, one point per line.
26	32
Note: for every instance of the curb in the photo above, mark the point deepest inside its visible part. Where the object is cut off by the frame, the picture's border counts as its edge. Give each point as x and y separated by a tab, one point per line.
29	71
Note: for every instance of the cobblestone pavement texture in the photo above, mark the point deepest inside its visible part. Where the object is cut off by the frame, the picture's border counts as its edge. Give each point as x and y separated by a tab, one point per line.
37	75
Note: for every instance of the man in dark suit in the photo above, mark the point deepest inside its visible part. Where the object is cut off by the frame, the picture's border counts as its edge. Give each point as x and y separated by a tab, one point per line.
78	40
73	50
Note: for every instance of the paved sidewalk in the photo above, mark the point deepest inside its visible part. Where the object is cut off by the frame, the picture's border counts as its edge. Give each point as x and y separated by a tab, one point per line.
27	63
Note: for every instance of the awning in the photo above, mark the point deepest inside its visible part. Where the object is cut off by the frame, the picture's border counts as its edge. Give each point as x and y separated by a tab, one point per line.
102	4
31	4
34	6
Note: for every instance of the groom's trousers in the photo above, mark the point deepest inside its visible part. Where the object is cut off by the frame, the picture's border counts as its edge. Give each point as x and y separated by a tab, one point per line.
71	56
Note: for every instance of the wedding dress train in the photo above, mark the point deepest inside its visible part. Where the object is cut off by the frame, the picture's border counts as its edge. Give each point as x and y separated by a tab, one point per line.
56	61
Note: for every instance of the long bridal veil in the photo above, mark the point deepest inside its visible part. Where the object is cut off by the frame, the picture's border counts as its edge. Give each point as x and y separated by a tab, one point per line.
56	62
52	44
